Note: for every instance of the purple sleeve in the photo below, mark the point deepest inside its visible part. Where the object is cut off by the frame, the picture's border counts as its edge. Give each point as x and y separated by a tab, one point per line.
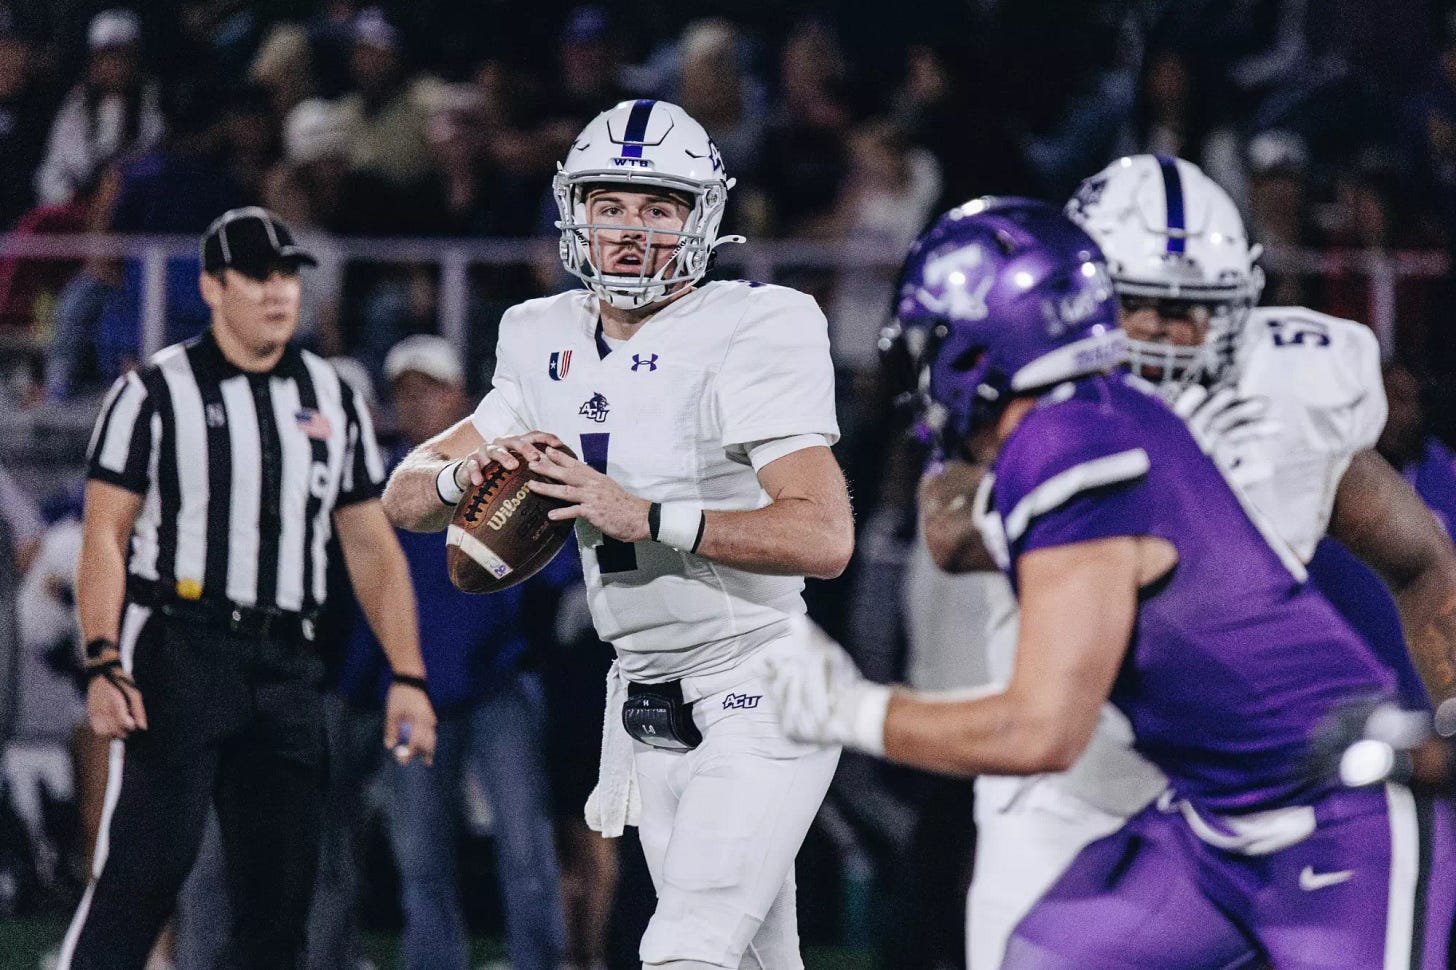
1072	473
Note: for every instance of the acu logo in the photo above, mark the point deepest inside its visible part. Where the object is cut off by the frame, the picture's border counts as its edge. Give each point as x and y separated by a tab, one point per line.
596	408
742	702
650	363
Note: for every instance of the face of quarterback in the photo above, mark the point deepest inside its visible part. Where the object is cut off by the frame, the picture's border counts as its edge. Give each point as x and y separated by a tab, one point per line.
628	251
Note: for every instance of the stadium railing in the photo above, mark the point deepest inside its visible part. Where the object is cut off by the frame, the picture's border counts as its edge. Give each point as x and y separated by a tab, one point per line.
760	259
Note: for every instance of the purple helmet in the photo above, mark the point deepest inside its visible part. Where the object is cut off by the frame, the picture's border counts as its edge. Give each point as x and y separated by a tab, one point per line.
1002	296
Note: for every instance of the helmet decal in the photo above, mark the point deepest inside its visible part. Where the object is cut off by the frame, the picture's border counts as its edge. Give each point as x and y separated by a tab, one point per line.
643	145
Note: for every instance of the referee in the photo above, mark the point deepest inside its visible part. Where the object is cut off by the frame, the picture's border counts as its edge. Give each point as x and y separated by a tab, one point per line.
216	473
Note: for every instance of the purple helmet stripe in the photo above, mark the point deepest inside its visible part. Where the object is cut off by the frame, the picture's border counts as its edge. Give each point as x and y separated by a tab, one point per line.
636	128
1173	192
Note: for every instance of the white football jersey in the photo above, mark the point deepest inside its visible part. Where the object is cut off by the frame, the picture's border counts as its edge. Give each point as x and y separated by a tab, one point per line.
1321	376
671	415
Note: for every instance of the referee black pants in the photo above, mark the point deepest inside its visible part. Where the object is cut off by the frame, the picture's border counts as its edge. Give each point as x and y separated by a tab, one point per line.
233	721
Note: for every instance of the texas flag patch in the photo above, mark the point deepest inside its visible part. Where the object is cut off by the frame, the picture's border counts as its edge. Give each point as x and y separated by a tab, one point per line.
313	424
559	365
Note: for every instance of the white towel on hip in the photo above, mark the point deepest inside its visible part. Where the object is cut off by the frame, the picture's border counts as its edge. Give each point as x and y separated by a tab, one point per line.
614	803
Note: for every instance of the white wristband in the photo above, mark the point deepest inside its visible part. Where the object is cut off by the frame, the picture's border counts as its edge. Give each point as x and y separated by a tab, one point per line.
680	525
867	725
446	487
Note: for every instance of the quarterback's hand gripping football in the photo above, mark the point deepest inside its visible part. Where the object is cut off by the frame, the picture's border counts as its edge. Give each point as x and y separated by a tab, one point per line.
594	496
823	698
509	452
1222	421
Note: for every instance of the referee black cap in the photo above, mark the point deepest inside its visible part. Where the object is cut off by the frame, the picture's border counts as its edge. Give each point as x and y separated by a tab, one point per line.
252	241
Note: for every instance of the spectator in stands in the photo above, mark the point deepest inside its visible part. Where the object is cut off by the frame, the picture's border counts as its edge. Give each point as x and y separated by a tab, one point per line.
588	76
1278	173
309	189
251	135
387	109
114	110
178	187
492	723
23	122
805	154
30	288
1425	460
717	86
283	66
889	192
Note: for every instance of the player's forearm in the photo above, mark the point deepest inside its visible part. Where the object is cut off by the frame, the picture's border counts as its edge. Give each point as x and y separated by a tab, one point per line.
790	537
1428	615
412	497
100	585
985	735
382	584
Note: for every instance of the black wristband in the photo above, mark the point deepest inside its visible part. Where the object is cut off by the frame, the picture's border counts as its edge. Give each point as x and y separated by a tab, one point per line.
418	683
102	668
96	646
702	525
654	520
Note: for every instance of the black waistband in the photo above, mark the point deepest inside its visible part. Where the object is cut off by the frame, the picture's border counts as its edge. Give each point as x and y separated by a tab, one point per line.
252	621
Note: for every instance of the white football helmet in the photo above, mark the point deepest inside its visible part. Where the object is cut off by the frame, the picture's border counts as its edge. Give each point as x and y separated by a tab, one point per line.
1170	233
642	144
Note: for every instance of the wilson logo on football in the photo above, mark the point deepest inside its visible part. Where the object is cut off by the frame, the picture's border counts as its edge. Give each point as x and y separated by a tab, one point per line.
507	508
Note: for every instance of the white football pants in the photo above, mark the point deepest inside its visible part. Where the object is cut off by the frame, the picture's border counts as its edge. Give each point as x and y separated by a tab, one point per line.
720	827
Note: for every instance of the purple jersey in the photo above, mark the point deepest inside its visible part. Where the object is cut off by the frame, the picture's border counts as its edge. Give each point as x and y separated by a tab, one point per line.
1234	659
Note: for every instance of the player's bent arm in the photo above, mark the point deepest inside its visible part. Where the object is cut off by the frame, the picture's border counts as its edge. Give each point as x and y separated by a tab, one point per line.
1384	522
1078	604
412	498
946	502
110	514
807	529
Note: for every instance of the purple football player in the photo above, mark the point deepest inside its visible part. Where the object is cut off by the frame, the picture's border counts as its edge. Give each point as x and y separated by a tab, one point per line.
1143	579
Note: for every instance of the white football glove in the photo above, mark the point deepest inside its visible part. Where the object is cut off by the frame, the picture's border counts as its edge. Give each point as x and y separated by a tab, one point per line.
1222	422
822	697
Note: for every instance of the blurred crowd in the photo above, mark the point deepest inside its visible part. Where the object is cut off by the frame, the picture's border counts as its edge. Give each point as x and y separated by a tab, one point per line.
1332	123
1334	127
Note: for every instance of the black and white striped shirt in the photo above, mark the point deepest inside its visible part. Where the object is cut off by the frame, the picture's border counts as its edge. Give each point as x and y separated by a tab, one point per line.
240	472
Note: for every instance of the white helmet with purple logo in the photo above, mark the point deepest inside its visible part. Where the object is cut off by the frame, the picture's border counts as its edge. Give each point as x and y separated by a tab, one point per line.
1170	233
643	144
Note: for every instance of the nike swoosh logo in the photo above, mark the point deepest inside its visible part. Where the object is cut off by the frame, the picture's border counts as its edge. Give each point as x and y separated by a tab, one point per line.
1309	880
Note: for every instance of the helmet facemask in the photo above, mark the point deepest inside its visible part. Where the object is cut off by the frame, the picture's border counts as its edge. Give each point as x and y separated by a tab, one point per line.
692	246
1175	367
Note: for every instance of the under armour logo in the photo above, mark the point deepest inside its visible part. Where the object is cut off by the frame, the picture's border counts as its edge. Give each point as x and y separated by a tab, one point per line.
650	363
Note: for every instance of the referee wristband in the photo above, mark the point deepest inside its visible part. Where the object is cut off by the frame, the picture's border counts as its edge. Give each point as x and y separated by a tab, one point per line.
677	524
446	487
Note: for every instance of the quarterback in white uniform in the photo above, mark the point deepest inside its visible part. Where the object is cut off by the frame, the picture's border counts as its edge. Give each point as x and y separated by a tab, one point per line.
704	492
1290	403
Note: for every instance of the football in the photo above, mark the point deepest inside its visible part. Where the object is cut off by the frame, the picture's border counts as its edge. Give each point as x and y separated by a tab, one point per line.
500	535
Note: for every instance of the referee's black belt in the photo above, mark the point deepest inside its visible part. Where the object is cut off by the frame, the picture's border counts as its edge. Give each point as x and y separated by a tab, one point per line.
248	621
